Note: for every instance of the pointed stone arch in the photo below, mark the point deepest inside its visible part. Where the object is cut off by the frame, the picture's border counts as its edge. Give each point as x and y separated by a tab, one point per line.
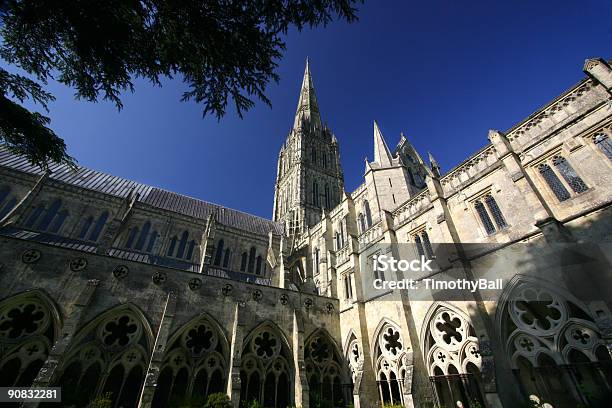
551	342
267	373
328	375
452	354
30	323
353	353
390	361
195	363
109	354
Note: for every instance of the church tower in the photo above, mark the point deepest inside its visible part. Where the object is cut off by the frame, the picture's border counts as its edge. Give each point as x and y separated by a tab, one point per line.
309	178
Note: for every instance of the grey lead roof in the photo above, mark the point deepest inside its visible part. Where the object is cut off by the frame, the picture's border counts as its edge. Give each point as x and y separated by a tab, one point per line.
153	196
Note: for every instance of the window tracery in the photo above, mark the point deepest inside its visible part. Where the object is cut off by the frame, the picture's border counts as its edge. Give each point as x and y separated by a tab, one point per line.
195	365
109	355
390	368
554	346
265	371
326	378
454	359
27	333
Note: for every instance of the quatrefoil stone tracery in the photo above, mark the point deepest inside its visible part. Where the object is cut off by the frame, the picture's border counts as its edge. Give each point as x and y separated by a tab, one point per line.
199	339
319	350
265	345
527	345
448	330
120	331
22	320
537	311
391	343
580	336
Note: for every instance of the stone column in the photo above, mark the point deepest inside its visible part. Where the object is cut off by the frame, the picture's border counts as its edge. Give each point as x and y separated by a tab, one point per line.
235	361
365	388
301	388
48	372
159	349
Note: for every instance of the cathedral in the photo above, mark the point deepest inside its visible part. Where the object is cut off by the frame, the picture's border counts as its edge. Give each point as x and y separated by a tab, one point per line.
110	288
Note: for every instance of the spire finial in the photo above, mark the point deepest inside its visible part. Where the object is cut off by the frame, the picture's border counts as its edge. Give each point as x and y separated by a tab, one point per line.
308	108
382	155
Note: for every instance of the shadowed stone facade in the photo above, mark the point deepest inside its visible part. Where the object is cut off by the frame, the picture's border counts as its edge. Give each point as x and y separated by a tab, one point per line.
108	285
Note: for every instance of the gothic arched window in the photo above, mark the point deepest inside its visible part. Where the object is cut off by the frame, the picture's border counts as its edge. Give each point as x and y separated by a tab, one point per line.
27	333
315	194
602	141
108	355
95	234
172	246
266	365
258	265
553	182
180	252
362	226
226	258
488	211
143	236
453	354
190	249
58	221
327	378
327	197
195	364
252	260
484	217
50	214
368	213
570	176
219	253
243	261
131	237
549	336
87	223
34	216
391	362
500	221
152	240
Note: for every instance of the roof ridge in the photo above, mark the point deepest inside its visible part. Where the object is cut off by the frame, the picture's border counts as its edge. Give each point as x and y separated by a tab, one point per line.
106	183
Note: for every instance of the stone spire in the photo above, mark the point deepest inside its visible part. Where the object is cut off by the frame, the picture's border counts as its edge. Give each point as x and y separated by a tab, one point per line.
382	155
307	113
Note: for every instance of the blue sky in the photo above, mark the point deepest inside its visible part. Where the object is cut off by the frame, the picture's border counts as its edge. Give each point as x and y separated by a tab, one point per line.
443	72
